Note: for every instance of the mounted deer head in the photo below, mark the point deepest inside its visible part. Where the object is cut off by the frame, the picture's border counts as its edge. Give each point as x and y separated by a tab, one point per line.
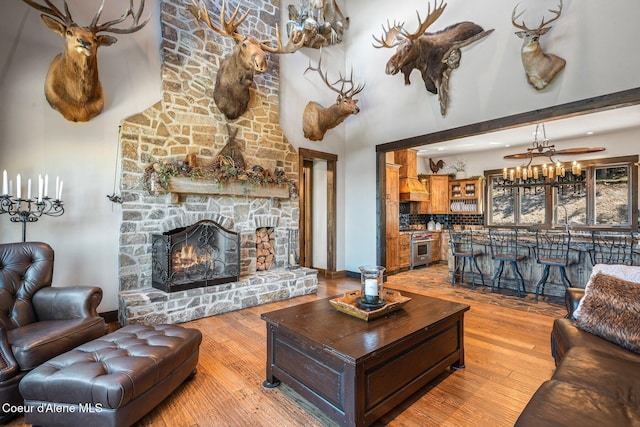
435	55
72	84
316	119
235	76
540	67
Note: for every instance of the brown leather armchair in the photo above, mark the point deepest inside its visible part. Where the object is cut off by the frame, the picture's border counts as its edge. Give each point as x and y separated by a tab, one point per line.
37	321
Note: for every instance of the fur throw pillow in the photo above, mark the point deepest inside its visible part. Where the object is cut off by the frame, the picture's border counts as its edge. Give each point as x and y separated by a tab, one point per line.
624	272
611	310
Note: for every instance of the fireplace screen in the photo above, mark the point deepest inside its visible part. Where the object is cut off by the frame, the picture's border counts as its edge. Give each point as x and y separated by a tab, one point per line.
203	254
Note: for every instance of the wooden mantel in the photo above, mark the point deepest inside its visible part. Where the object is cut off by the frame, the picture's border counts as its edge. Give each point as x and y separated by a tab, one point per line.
184	185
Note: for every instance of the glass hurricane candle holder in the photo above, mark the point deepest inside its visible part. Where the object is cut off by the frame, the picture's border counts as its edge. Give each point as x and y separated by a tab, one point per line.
371	280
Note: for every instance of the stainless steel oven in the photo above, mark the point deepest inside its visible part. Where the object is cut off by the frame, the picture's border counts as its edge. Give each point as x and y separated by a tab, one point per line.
420	248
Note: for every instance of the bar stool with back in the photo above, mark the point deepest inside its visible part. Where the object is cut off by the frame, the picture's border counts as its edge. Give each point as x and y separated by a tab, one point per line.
506	247
462	249
552	250
612	248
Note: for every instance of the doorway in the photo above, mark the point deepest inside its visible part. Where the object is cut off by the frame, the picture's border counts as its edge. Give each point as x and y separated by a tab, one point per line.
317	178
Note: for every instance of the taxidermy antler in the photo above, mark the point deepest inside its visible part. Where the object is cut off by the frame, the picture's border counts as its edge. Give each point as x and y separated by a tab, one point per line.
235	76
434	54
540	67
72	84
316	119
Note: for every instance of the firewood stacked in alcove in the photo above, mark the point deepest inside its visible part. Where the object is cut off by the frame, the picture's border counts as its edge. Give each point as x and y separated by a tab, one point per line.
265	248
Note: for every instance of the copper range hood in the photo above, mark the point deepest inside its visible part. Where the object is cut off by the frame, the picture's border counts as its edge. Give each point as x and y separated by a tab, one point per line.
411	189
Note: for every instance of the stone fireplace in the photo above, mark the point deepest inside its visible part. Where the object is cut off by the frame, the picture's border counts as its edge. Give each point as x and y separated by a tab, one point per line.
202	254
186	123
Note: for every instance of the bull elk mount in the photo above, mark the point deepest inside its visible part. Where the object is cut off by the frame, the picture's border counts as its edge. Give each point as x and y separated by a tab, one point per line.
72	85
316	119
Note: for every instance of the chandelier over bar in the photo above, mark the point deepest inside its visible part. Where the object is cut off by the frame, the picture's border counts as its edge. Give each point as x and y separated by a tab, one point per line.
553	173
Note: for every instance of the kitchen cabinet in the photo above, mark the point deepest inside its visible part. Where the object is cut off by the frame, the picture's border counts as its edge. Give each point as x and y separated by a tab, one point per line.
438	188
435	247
404	251
392	225
466	196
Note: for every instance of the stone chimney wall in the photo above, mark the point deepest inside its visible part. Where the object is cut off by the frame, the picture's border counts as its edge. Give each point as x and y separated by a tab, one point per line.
186	121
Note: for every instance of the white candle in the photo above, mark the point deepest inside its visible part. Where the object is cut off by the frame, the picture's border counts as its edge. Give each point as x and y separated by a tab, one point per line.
18	185
57	186
60	191
371	287
46	185
29	189
5	184
40	182
10	187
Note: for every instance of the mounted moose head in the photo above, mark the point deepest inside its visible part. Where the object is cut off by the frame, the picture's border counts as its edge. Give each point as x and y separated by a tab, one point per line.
540	67
435	55
72	84
235	76
316	119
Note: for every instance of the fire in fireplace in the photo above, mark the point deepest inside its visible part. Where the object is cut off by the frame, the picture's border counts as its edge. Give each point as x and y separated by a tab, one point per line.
203	254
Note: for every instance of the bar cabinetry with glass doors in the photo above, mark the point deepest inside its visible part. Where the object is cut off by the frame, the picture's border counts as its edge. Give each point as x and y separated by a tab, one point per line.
466	196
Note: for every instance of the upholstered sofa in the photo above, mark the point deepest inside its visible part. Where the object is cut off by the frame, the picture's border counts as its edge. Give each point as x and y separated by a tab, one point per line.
37	321
597	376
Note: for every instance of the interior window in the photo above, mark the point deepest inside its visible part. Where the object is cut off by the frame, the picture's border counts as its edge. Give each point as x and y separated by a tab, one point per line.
612	195
501	205
602	196
571	202
532	206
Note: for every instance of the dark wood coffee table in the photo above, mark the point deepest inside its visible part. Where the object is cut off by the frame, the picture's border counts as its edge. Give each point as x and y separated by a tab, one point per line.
355	371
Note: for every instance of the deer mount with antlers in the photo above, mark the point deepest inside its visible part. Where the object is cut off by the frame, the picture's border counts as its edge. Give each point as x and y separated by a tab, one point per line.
72	86
316	119
435	55
231	92
541	67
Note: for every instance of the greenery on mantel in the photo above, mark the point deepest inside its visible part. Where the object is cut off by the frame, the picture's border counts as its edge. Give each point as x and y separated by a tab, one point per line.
222	170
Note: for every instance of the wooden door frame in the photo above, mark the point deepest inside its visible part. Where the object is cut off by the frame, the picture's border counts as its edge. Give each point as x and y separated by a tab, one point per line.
331	159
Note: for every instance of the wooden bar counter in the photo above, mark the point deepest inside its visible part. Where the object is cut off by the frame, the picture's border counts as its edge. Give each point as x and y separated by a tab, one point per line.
578	272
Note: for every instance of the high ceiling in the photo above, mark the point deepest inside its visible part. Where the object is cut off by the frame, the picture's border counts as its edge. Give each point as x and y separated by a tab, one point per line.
568	128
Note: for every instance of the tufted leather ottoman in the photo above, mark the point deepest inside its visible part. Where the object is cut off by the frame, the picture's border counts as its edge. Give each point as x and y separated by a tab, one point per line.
113	380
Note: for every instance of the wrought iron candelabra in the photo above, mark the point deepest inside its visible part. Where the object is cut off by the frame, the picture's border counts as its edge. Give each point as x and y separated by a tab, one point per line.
28	210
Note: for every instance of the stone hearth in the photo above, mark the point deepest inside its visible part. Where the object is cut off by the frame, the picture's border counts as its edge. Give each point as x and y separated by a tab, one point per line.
149	306
186	122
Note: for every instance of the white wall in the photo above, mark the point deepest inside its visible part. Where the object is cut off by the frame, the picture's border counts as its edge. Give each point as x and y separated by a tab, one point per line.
36	139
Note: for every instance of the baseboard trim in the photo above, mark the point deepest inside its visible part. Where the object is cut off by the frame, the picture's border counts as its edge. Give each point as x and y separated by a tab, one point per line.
335	274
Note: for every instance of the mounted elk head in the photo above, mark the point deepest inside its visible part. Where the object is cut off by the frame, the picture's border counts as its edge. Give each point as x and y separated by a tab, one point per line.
316	119
435	55
540	67
235	76
72	84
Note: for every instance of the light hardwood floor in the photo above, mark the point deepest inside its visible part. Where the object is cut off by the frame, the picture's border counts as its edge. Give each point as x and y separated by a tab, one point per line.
507	357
